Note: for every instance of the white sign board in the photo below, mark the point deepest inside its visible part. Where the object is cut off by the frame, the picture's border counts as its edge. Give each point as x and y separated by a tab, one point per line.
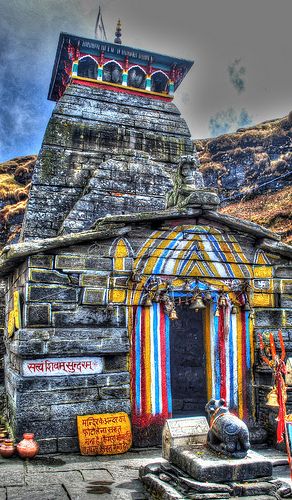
53	367
183	432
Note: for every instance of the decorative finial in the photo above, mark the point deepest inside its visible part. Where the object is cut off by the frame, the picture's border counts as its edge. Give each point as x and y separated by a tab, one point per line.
118	33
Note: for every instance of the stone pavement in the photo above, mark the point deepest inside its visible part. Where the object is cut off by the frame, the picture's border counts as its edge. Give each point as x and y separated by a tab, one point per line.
74	477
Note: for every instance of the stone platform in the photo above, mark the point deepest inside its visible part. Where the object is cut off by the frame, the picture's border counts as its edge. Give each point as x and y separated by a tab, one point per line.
196	473
203	465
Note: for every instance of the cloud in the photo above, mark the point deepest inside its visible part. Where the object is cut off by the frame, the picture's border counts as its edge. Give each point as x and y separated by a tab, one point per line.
228	121
237	75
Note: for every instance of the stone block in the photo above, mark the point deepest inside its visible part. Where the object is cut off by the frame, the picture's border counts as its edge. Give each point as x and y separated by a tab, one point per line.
86	317
119	392
38	315
101	346
283	271
68	445
286	286
93	279
269	318
46	276
88	408
48	446
42	400
41	261
92	296
29	348
53	428
31	410
52	293
206	466
115	363
159	489
83	263
286	300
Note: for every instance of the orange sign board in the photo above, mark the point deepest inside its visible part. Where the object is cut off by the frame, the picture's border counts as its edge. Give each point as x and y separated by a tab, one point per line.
104	434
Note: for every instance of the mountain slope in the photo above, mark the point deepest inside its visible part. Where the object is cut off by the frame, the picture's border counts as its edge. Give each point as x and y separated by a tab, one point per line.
252	169
15	180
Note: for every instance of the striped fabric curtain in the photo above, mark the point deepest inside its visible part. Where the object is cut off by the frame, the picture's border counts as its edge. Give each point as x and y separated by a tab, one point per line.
229	359
150	366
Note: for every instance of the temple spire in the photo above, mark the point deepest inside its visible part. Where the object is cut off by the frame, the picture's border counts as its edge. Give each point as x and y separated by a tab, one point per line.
118	32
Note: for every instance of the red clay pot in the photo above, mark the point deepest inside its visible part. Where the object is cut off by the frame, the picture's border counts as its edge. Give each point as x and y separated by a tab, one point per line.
28	447
7	448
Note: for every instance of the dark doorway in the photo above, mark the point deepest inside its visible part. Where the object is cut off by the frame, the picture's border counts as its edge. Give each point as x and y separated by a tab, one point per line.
187	358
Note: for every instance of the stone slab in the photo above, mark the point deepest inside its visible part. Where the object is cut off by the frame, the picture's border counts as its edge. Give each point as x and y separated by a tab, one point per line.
203	465
55	492
97	475
43	478
16	478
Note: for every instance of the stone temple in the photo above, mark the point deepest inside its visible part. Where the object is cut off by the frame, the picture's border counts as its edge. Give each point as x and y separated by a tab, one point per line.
128	290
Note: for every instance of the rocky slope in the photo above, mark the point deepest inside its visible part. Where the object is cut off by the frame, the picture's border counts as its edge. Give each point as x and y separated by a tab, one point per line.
15	180
251	168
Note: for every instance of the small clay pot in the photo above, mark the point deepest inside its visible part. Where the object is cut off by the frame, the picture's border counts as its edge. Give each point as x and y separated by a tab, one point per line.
7	448
28	447
3	436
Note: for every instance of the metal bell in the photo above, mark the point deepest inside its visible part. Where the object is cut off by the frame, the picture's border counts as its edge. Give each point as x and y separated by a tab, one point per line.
173	315
217	313
187	287
246	306
147	302
222	301
164	297
234	309
168	307
272	398
197	303
208	296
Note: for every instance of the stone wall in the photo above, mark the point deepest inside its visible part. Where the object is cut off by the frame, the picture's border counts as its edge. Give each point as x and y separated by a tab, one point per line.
61	320
2	325
73	183
270	321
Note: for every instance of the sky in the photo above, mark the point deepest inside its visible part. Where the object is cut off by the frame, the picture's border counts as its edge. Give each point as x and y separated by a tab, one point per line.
241	48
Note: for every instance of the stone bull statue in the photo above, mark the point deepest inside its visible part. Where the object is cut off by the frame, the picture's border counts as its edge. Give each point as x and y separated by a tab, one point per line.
227	434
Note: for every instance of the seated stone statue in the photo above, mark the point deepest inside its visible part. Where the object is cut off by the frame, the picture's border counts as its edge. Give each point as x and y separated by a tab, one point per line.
189	188
227	434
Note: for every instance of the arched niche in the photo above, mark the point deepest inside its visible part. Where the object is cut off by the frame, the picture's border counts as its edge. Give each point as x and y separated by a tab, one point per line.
159	82
112	72
87	68
137	77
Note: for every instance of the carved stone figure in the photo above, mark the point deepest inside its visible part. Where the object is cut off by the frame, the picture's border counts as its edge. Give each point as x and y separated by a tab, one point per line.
189	188
227	434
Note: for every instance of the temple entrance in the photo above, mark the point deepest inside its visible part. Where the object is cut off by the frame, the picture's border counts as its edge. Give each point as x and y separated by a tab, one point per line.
187	358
